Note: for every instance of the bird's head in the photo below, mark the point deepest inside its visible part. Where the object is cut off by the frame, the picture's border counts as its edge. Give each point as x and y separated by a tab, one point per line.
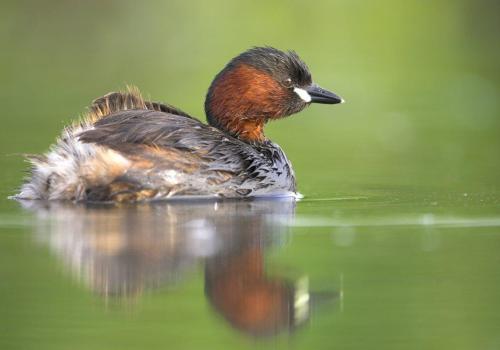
259	85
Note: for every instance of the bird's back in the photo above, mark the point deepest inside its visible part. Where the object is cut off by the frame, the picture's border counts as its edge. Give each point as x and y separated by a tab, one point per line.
129	149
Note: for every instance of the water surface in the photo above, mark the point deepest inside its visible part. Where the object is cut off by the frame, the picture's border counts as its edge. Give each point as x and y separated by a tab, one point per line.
338	272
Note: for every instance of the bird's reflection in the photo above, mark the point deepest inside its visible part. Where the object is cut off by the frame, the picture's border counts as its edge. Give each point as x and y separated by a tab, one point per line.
122	251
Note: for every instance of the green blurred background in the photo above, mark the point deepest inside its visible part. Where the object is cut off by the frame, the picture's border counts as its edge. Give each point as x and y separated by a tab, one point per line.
418	136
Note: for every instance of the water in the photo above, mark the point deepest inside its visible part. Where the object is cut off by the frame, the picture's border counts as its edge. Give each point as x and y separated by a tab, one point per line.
394	245
339	272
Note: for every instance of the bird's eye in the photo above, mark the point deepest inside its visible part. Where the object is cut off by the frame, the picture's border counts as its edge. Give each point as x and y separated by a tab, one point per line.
288	83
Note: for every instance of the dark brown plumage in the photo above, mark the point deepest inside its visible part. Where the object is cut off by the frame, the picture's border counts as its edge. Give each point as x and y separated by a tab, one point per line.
157	142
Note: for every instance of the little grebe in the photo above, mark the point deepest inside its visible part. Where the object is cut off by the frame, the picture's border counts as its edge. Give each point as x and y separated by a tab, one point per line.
129	149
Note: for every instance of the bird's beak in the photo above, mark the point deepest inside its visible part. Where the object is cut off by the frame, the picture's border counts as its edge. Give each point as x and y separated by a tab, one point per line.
320	95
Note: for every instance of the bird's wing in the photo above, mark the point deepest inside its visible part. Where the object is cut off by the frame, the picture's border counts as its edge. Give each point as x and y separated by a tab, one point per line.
125	129
167	148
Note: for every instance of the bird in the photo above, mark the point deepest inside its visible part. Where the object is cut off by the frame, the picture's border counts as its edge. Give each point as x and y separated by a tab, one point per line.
128	149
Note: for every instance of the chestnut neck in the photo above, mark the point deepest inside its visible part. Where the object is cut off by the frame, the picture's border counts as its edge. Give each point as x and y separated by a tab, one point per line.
249	131
241	100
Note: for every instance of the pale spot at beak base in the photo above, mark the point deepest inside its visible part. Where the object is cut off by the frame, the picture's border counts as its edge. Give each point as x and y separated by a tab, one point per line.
303	94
